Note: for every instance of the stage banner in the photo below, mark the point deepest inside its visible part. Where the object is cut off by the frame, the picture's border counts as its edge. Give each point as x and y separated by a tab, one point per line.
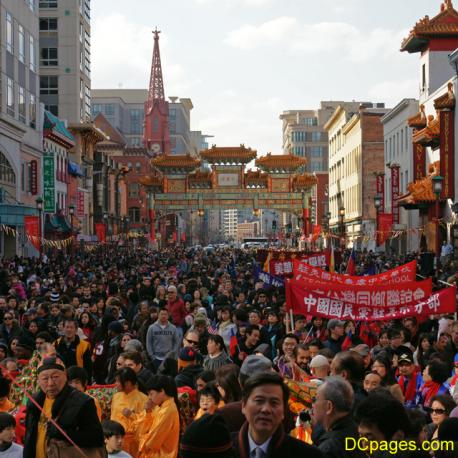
101	232
380	182
384	225
395	192
447	153
309	302
267	279
419	162
32	230
402	274
284	268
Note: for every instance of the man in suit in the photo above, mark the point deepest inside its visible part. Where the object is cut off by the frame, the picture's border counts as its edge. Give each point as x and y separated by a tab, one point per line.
265	401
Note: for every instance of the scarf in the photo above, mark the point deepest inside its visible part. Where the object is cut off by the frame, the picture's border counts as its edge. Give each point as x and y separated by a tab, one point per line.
410	390
428	391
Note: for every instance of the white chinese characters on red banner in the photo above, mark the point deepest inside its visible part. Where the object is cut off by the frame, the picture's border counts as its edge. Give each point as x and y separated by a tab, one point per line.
307	302
285	267
399	275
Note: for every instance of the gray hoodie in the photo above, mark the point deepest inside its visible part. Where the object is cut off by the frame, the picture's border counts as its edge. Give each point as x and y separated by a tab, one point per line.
161	340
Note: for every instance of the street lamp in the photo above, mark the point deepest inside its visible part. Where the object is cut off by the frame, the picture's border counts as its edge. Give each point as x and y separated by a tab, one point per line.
342	225
71	212
256	212
437	188
39	202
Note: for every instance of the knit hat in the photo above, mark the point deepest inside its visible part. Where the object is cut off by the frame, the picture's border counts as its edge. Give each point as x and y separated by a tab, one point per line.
134	345
186	357
51	362
187	298
55	297
207	437
116	327
256	364
200	320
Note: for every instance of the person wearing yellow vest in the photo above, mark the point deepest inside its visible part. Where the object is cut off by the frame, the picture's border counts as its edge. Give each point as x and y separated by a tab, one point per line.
72	350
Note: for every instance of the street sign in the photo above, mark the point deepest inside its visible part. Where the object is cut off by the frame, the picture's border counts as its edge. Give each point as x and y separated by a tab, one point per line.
49	196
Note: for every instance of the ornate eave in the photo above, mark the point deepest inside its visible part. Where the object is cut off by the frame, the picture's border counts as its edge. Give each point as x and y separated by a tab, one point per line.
88	131
429	136
152	181
181	163
200	179
444	25
280	163
446	101
304	181
228	155
418	121
255	179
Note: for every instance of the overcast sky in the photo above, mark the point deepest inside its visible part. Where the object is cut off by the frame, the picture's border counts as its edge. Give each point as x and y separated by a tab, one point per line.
242	62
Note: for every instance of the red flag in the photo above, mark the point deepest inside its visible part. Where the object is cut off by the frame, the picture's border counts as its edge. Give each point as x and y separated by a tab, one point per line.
347	343
351	266
233	343
32	230
101	232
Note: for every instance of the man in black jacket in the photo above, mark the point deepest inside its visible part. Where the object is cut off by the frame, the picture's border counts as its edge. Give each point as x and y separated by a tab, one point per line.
72	410
265	401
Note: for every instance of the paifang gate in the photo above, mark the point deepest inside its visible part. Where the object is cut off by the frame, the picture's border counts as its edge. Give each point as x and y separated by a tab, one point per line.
180	182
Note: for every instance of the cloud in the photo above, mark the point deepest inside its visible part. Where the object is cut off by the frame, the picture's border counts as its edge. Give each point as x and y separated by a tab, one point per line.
393	91
254	3
286	32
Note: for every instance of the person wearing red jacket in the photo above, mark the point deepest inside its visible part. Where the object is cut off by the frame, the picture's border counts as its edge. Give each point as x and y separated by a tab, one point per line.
176	307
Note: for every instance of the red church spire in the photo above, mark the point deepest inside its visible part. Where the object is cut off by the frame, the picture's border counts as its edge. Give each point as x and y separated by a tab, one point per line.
156	135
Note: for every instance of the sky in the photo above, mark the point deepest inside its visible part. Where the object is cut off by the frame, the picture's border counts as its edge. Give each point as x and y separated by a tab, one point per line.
243	62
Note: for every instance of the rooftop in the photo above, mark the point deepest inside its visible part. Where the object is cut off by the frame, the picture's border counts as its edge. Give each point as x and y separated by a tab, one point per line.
176	161
228	152
280	162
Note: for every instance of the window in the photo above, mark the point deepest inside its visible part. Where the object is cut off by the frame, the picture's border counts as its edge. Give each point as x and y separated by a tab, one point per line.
134	189
298	137
23	177
138	167
32	53
156	124
21	44
6	171
87	64
48	85
316	136
316	166
87	101
33	111
10	97
299	151
310	121
87	10
134	214
423	77
48	57
136	141
54	109
48	3
316	151
136	121
96	108
9	33
31	4
21	104
48	24
81	32
109	109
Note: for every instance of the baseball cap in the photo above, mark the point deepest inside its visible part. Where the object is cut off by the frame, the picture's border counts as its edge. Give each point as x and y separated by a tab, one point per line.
405	357
319	361
361	349
334	323
255	364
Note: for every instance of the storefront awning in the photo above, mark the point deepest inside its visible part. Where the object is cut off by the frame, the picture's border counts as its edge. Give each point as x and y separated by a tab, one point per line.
74	169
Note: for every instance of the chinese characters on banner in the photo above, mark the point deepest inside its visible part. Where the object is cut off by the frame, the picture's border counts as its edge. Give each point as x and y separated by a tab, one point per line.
80	203
34	177
267	279
32	230
395	192
49	196
419	162
101	232
284	268
447	154
399	275
380	182
304	301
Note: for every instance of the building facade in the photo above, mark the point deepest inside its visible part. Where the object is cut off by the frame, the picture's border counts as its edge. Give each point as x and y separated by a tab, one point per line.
398	149
355	156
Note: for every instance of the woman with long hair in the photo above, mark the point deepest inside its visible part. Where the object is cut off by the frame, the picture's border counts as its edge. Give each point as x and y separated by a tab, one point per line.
441	407
382	365
425	346
217	354
228	384
158	426
87	324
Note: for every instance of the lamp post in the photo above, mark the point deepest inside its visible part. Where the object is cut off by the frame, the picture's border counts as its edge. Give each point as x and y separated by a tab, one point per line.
342	225
71	212
437	188
377	205
39	202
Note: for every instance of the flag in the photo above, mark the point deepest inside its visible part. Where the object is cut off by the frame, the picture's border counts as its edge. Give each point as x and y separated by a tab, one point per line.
351	266
347	343
267	263
233	343
213	329
331	260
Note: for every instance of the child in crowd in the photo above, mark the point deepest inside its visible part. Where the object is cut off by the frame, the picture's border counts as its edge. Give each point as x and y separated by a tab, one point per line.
114	434
8	448
209	400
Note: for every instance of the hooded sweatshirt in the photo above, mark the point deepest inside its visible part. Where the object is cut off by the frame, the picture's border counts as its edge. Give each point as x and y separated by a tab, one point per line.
161	340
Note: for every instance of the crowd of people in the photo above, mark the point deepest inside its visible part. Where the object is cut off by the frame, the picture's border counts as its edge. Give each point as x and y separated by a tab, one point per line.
184	353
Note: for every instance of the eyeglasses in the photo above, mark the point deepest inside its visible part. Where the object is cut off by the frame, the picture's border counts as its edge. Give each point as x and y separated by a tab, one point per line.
437	411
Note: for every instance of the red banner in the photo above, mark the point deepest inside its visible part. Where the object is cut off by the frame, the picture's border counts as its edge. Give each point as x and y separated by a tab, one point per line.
34	177
380	182
284	268
152	225
419	162
101	232
384	225
399	275
447	153
32	230
395	193
307	302
80	203
316	232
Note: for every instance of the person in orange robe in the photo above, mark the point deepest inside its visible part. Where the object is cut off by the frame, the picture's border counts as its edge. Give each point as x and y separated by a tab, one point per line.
5	404
128	398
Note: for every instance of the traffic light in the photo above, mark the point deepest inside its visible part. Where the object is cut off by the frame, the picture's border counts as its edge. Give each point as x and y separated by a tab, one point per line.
274	225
